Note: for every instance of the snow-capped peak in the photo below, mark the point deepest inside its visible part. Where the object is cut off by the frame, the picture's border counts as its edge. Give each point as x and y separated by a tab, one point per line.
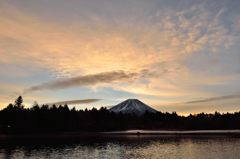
132	106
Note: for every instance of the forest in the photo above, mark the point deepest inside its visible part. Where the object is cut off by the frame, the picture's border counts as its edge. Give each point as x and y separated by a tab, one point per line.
15	119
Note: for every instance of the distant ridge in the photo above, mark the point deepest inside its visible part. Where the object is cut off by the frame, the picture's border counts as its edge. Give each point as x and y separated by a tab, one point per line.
132	106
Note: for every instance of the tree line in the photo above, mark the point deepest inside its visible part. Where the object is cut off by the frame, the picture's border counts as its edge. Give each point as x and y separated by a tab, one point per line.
59	118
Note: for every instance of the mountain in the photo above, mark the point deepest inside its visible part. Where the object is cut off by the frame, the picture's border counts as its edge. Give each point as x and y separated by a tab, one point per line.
132	106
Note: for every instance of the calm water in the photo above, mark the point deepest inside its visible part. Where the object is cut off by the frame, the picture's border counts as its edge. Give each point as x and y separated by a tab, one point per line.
138	147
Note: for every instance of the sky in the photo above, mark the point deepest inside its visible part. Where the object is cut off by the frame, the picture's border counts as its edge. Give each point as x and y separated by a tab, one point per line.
175	55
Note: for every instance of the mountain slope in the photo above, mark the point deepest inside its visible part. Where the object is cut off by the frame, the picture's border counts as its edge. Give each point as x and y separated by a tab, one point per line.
132	106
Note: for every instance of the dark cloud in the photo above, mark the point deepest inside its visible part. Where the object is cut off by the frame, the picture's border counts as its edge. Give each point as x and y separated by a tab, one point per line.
82	101
214	99
86	80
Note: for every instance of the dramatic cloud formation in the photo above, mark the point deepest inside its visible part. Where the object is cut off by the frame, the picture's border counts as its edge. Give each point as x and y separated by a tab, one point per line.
105	77
214	99
70	102
167	51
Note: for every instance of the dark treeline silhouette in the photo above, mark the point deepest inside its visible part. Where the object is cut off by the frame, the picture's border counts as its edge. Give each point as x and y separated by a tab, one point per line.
43	119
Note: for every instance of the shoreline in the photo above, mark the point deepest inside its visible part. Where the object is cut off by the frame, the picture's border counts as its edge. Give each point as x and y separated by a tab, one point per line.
162	132
121	134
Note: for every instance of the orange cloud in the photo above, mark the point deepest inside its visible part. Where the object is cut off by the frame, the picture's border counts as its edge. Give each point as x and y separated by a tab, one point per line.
79	49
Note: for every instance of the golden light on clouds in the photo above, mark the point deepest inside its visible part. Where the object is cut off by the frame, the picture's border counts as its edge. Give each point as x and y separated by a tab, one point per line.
156	47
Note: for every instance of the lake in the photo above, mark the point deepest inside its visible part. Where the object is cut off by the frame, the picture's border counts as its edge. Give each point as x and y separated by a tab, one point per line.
140	147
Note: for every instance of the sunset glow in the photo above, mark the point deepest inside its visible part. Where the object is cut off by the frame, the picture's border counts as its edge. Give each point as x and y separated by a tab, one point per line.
173	55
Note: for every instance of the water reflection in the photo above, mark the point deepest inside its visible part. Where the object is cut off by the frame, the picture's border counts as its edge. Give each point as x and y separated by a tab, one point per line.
201	148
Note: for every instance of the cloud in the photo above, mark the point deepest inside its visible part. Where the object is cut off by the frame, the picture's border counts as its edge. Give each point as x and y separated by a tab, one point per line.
121	43
218	98
70	102
159	39
86	80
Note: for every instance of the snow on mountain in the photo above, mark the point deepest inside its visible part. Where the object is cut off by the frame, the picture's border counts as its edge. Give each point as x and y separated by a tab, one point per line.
132	106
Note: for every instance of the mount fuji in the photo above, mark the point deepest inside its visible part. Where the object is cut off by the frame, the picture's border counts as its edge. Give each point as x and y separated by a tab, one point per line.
132	106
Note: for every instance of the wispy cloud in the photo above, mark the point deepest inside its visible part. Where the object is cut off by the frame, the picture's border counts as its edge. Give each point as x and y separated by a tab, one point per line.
154	45
86	80
70	102
218	98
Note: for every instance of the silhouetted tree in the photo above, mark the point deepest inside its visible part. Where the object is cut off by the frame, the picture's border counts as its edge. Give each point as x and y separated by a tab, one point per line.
10	106
35	106
55	118
18	102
